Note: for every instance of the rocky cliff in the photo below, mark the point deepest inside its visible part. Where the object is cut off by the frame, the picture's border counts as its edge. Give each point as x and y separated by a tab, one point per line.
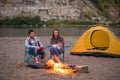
50	9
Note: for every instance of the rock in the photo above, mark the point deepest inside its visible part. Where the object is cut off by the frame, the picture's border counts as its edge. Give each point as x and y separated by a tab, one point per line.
20	64
47	8
1	52
29	77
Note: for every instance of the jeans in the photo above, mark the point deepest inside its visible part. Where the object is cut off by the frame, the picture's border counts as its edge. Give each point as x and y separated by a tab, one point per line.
35	52
55	51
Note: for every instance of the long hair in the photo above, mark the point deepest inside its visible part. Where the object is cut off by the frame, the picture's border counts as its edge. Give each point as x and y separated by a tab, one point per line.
57	31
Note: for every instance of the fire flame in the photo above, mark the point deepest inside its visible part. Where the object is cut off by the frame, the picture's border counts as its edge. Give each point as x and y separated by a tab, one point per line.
59	68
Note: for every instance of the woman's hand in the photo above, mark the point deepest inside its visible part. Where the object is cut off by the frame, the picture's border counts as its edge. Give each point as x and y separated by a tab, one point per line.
60	45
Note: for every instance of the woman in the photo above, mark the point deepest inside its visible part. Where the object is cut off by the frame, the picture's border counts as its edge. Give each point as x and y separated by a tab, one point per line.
57	44
35	47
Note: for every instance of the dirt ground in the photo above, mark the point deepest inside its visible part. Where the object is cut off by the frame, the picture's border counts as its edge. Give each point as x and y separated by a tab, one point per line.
12	52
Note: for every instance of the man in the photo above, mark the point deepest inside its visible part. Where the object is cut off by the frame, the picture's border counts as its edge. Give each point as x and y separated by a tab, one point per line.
34	45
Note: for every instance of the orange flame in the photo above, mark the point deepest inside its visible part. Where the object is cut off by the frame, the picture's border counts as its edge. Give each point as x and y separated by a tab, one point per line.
59	68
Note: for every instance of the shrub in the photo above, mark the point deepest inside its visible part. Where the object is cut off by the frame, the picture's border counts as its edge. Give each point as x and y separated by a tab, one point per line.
22	20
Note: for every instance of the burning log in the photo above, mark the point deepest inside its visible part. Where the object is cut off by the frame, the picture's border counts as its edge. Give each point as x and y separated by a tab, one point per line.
78	69
64	68
60	68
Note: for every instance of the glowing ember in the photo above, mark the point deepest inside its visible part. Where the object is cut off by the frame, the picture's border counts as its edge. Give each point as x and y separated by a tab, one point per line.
59	68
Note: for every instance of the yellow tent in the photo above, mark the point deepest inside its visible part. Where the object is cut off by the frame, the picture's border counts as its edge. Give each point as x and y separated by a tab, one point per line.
97	41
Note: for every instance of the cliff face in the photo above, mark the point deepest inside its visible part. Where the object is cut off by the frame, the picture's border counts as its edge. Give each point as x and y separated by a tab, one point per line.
49	9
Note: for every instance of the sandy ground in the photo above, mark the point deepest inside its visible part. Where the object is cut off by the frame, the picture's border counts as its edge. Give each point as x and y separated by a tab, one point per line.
12	52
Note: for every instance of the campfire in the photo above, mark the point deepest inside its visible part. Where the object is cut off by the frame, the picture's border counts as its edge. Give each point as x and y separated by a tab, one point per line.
59	68
53	66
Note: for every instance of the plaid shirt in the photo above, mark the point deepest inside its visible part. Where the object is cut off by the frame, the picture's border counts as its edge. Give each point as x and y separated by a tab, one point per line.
57	40
35	42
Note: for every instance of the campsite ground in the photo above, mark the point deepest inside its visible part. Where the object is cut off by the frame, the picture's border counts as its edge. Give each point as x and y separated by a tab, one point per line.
11	53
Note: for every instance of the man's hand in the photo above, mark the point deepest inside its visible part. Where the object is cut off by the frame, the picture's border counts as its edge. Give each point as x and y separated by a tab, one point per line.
38	47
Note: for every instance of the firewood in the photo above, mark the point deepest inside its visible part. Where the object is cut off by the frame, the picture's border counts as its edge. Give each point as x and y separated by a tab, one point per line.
79	69
76	68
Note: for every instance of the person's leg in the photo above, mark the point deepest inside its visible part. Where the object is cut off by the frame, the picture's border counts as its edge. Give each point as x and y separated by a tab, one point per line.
55	52
33	52
42	53
36	55
61	51
56	58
